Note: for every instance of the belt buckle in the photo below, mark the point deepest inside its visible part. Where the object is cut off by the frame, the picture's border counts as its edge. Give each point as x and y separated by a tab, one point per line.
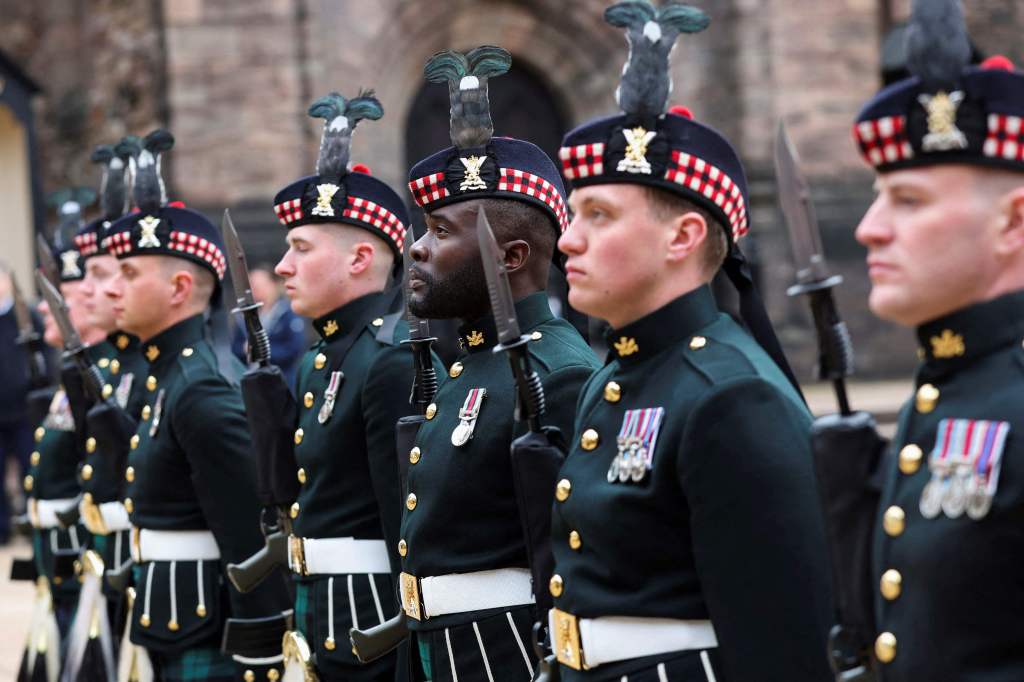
297	555
565	639
410	592
297	655
136	543
33	513
93	518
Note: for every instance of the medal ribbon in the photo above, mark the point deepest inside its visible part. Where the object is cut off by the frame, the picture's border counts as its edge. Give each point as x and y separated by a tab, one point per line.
642	426
986	466
332	387
471	407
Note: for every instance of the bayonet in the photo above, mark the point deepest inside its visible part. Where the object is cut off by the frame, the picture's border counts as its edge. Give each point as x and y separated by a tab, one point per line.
245	302
73	346
47	261
835	350
424	386
29	338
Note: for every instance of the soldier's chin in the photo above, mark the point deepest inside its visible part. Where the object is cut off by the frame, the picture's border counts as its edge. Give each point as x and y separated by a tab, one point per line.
582	301
888	304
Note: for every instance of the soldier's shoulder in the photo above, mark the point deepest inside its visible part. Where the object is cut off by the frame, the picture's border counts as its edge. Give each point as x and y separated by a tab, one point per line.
556	345
724	352
389	330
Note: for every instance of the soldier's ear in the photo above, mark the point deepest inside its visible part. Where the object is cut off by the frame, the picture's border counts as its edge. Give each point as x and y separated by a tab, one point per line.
686	233
517	253
361	257
182	284
1010	241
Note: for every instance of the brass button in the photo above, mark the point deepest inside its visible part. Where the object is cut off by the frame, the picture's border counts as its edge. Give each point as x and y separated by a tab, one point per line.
107	391
891	584
575	542
555	585
910	458
172	625
86	472
147	411
698	342
301	474
294	511
115	366
103	363
414	455
319	361
926	398
129	474
40	432
201	611
378	322
299	433
589	439
249	676
307	399
455	370
612	392
187	352
403	548
885	647
329	644
562	490
410	502
129	506
894	521
144	620
536	336
272	675
57	580
134	442
90	445
34	459
151	383
28	483
431	411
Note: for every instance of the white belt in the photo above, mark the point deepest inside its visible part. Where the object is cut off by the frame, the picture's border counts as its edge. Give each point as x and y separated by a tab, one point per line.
42	514
334	556
424	598
173	545
584	643
104	518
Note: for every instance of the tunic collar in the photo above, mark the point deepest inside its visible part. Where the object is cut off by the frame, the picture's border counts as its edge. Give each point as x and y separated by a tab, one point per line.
174	339
352	316
957	339
665	327
482	334
123	341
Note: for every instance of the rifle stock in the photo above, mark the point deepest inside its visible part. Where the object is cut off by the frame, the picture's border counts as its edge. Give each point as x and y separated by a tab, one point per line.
246	575
370	644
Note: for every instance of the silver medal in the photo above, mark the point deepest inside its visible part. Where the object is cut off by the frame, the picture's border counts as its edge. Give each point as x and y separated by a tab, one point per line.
158	411
931	497
462	433
979	502
954	499
639	465
613	470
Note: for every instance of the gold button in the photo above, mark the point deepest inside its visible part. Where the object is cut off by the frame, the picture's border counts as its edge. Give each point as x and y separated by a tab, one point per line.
144	621
403	548
891	584
307	399
107	391
410	502
28	483
129	506
249	676
612	392
414	455
151	383
187	352
319	361
146	412
926	398
86	472
90	445
294	511
455	370
129	474
563	489
115	366
378	322
431	410
299	433
329	644
885	647
103	363
272	675
40	432
589	439
698	342
134	442
894	521
574	540
34	459
536	336
201	611
57	580
172	625
910	458
555	585
301	474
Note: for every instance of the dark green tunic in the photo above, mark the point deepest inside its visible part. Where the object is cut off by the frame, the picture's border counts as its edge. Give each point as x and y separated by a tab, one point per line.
951	588
724	524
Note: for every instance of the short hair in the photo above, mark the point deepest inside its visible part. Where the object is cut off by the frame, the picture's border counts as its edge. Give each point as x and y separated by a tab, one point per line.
204	283
514	219
347	235
665	205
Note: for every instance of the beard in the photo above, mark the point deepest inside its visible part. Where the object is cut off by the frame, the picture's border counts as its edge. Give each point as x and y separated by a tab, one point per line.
460	294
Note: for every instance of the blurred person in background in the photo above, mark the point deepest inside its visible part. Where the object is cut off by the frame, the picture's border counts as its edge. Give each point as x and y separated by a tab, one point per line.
286	330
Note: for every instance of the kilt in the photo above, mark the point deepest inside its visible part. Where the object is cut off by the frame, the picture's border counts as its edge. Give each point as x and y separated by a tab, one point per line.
495	648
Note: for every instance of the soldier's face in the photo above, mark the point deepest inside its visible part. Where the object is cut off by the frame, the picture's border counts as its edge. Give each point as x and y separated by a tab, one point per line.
99	308
72	293
930	235
447	279
141	294
314	279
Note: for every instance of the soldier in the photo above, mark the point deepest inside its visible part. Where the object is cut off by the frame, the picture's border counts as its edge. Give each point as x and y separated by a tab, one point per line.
190	490
945	241
466	588
686	540
345	234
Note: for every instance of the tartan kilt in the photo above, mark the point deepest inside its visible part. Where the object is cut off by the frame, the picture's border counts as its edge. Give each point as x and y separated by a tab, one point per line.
497	648
207	664
687	666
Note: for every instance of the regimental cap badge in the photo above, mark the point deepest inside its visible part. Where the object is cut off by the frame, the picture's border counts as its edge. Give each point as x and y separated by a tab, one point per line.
943	134
325	194
69	203
147	236
947	345
69	265
635	160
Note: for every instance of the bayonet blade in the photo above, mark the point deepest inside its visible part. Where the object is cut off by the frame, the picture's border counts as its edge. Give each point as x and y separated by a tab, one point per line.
419	328
498	287
244	299
59	309
795	200
47	261
26	331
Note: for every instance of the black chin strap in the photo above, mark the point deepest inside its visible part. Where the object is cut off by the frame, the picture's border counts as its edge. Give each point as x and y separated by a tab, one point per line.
754	314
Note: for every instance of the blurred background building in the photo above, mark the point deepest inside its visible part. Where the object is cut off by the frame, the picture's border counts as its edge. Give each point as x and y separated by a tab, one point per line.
232	80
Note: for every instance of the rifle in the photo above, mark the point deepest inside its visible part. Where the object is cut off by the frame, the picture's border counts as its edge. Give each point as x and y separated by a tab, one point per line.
846	447
30	340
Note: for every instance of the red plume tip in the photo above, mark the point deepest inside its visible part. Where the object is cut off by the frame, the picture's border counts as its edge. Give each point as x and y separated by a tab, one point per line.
176	204
997	62
361	168
680	110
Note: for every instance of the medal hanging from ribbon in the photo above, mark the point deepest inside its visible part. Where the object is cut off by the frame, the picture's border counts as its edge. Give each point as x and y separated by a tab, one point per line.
468	416
636	442
964	465
158	411
59	416
330	395
124	389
